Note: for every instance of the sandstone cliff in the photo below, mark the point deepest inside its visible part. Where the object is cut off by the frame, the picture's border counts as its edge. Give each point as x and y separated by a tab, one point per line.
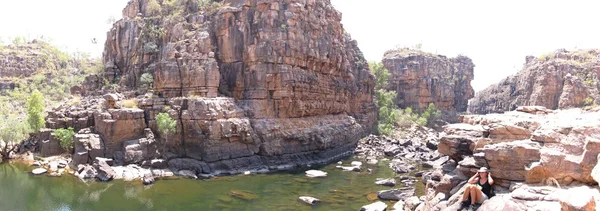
421	78
562	79
530	145
252	84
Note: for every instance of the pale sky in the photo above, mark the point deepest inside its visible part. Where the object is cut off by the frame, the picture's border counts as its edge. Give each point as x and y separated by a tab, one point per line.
497	36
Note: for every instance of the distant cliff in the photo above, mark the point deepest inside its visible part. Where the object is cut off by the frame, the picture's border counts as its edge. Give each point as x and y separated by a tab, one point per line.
559	80
421	78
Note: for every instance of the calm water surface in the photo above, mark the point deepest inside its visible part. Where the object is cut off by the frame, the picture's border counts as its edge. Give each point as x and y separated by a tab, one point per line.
20	190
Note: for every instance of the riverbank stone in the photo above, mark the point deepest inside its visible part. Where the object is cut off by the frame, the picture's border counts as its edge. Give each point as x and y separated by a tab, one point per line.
315	173
39	171
377	206
396	194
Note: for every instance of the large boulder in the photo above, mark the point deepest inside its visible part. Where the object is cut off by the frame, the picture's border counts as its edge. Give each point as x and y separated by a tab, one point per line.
50	146
138	150
88	147
105	172
510	160
116	126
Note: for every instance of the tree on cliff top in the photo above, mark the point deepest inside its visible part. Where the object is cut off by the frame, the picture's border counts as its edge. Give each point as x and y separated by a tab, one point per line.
35	109
166	126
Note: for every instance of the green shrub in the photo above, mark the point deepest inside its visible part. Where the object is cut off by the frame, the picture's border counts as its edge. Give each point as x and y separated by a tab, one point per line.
431	114
166	125
421	121
65	136
382	75
150	47
146	81
588	101
35	109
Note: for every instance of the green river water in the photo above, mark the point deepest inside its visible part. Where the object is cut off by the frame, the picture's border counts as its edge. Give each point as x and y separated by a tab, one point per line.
20	190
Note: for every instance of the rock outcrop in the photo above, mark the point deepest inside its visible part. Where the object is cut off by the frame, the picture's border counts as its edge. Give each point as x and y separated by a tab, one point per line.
563	79
420	78
252	85
24	60
527	147
540	159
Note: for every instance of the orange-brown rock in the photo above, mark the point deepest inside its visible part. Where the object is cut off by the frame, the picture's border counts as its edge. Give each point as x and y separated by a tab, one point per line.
421	78
252	84
529	146
560	80
118	125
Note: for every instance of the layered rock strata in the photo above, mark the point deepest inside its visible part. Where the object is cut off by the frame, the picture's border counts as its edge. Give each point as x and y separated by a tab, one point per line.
539	159
420	78
560	80
252	85
531	145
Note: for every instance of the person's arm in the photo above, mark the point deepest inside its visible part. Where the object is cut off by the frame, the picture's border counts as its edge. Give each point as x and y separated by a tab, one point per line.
490	180
473	179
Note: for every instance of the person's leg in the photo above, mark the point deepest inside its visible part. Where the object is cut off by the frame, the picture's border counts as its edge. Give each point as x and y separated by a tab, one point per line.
473	193
467	192
478	195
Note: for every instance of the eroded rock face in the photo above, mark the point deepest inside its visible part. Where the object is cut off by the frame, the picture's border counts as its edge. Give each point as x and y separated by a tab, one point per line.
527	146
560	80
421	78
252	85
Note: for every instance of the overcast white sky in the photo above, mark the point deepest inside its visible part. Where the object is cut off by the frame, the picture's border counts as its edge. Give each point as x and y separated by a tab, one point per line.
497	36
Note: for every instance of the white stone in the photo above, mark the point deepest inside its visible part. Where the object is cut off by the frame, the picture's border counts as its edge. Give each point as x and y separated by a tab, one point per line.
398	206
309	200
38	171
356	163
315	173
377	206
53	166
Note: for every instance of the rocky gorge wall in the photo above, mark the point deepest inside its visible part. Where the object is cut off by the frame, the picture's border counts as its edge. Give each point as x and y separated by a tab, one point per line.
540	159
420	78
252	85
560	80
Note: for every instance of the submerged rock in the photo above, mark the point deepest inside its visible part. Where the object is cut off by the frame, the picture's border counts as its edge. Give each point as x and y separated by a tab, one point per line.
242	194
315	173
350	168
188	174
396	194
148	179
309	200
386	182
377	206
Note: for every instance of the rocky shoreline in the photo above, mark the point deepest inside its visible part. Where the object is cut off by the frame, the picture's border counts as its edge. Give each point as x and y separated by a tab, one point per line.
443	162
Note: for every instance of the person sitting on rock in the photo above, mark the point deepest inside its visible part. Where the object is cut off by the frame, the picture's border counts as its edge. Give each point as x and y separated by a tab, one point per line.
479	187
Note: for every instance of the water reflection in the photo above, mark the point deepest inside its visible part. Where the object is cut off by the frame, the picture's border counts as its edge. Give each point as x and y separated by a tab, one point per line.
339	191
